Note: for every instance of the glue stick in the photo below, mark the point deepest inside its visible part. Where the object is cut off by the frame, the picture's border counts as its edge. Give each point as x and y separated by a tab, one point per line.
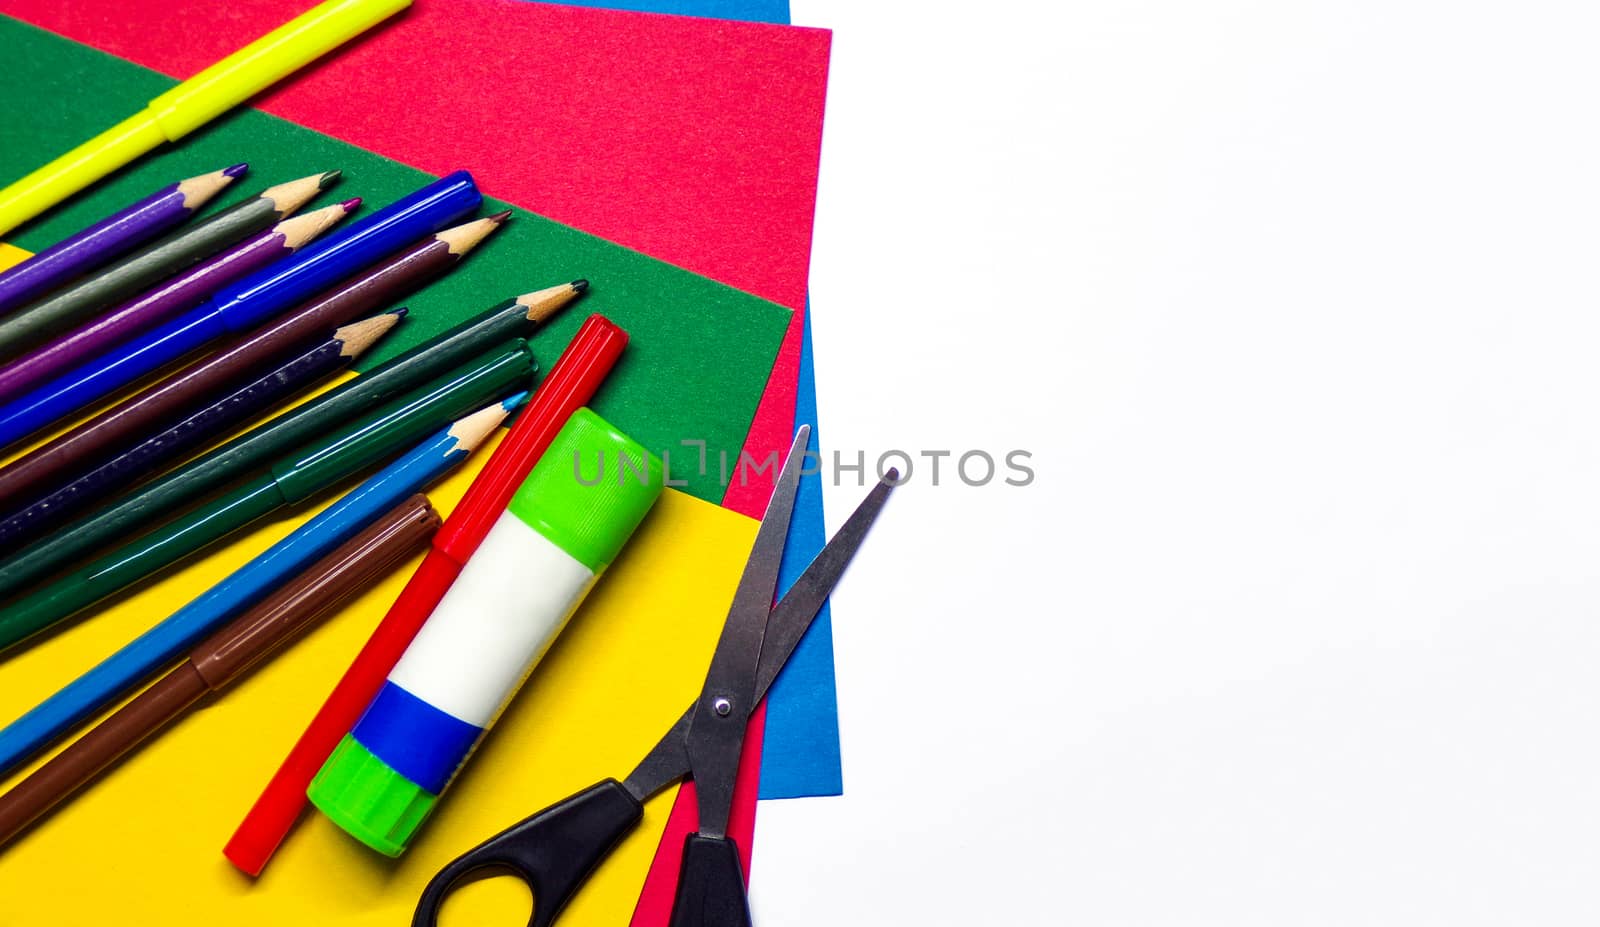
564	525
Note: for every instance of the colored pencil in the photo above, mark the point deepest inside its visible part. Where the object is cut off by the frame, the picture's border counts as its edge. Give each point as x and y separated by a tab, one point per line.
122	518
224	657
179	293
303	474
296	375
88	445
111	237
146	654
245	304
31	325
195	102
579	371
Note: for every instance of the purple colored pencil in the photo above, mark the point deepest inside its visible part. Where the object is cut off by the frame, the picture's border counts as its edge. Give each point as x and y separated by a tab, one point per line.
340	350
174	296
111	237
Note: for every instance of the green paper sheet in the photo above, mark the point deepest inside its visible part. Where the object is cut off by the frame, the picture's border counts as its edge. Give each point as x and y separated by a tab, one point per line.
700	352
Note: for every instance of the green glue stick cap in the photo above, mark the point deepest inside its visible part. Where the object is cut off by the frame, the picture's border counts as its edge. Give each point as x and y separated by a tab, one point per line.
590	490
369	800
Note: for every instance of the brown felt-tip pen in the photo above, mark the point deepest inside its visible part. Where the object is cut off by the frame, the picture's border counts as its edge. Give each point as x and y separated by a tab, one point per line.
224	657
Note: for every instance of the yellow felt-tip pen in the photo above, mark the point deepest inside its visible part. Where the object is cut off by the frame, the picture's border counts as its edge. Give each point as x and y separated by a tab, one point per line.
195	102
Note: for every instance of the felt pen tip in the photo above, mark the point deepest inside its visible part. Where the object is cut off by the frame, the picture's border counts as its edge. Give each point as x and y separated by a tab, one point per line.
327	180
235	171
351	203
578	286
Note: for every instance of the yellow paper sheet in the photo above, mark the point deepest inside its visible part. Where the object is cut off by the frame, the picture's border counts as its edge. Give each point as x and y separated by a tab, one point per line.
11	255
143	845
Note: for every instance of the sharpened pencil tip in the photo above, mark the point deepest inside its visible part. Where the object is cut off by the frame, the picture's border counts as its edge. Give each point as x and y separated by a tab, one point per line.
542	304
329	179
351	203
236	170
513	403
402	312
578	286
466	236
356	337
500	217
471	431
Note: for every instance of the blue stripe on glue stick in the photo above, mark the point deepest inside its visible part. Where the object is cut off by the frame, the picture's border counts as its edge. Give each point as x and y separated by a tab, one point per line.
413	738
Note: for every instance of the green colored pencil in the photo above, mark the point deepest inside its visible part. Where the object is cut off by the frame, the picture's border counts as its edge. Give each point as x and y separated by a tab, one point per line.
292	480
123	517
32	325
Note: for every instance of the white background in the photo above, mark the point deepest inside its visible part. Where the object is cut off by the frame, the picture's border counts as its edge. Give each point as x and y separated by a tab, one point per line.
1295	306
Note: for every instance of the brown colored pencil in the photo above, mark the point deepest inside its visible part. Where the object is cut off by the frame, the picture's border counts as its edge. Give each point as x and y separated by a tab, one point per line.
92	443
223	658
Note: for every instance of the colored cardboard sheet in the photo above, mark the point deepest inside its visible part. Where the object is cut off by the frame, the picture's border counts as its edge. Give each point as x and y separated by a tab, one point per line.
636	295
161	817
712	168
800	750
695	142
800	755
700	351
755	11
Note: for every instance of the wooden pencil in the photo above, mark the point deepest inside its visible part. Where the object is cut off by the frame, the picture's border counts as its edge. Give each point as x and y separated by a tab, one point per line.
243	305
254	636
111	237
177	294
93	442
213	421
507	322
31	325
112	677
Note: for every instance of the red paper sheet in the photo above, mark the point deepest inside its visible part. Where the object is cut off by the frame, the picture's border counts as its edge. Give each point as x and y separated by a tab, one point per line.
695	141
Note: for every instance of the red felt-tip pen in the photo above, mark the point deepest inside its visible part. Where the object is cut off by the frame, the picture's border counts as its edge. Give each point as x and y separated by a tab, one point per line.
577	373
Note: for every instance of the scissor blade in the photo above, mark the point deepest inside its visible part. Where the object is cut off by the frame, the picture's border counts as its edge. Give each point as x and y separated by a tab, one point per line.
668	761
716	733
793	616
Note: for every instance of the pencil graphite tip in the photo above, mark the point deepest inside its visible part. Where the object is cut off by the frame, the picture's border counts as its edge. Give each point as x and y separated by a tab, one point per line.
501	216
351	203
287	198
236	170
545	303
402	312
329	179
466	236
580	285
471	431
513	403
301	229
197	191
357	337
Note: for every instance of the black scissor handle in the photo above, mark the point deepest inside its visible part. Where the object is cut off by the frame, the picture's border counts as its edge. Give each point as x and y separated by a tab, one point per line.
553	851
710	886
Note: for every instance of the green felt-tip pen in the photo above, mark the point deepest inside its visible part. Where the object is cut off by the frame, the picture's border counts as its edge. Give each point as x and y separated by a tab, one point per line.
123	517
293	479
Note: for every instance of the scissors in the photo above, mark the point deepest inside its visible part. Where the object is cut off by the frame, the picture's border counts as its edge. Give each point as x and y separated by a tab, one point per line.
556	849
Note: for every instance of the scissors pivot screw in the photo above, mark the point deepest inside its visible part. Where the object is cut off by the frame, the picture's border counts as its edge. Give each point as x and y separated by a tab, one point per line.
722	707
